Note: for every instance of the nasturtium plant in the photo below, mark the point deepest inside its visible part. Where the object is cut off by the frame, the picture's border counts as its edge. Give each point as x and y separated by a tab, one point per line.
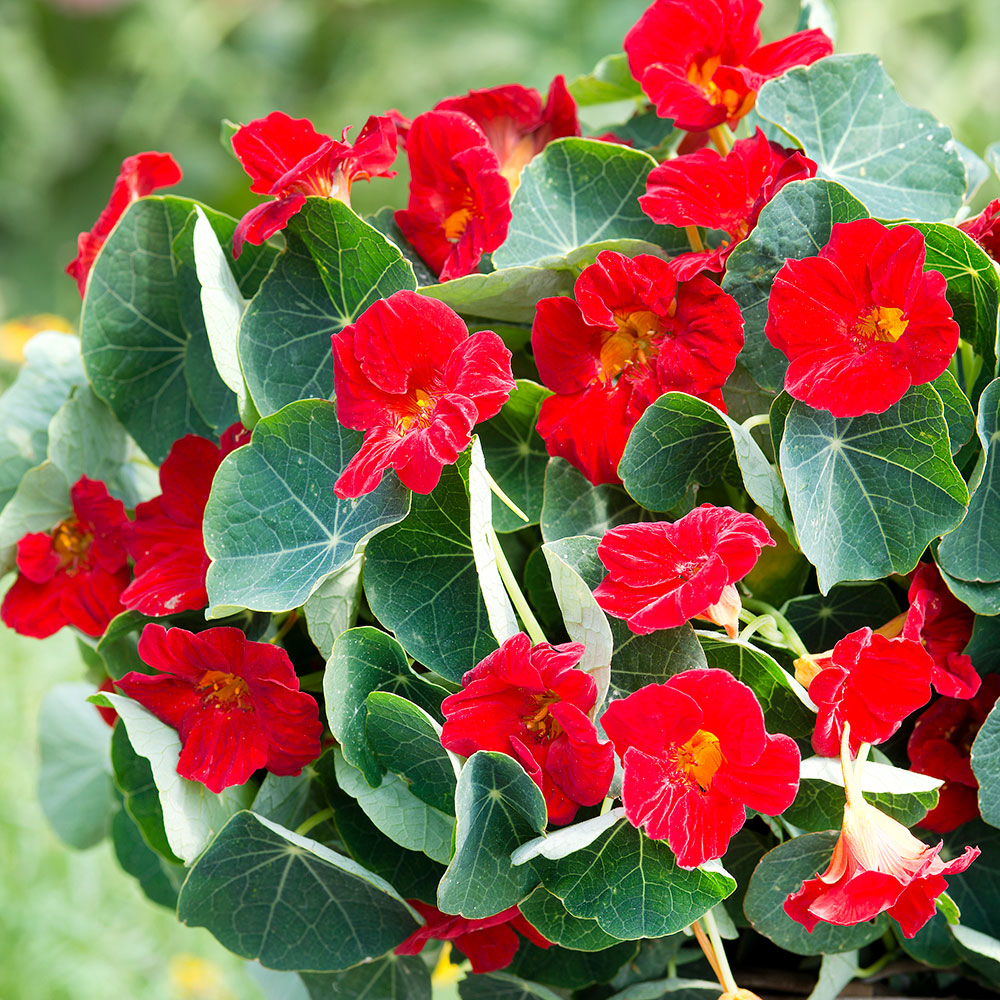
496	587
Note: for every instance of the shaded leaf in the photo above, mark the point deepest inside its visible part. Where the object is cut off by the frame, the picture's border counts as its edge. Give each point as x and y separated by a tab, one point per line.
509	294
821	621
572	506
393	977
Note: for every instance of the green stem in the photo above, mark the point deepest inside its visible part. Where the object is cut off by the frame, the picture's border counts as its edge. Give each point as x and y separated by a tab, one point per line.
877	966
503	498
286	626
303	828
517	598
728	981
791	637
757	420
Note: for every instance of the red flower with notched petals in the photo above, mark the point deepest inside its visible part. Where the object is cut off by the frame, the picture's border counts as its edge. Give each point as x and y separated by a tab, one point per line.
165	539
696	757
661	575
877	866
74	574
409	375
942	624
724	193
633	333
871	682
236	704
985	228
459	205
941	746
288	159
489	944
701	62
531	703
140	175
862	321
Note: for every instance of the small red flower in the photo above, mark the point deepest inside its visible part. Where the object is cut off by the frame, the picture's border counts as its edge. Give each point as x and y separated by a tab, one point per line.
724	193
877	866
459	205
531	703
289	160
701	62
661	575
871	682
140	175
941	746
516	123
165	539
985	228
862	321
235	704
75	574
696	756
489	944
408	373
633	333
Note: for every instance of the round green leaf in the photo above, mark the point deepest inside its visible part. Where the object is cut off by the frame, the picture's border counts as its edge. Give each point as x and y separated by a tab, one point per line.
159	879
976	892
821	621
394	977
552	920
274	528
572	506
868	494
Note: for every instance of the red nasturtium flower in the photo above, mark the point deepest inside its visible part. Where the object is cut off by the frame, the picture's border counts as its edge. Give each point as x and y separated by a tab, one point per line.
408	373
696	756
459	205
701	62
723	193
532	703
942	624
941	746
661	575
74	574
489	944
862	321
633	333
871	682
140	175
877	866
289	160
985	228
236	704
165	539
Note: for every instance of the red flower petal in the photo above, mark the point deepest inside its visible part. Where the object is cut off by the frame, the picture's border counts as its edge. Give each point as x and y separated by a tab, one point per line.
263	221
269	147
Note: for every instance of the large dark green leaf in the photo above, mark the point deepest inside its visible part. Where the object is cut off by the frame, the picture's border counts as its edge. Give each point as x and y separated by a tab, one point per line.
394	977
498	807
572	506
868	494
333	268
681	440
159	879
986	767
796	223
973	284
631	885
847	116
957	410
821	621
568	969
509	295
273	526
290	902
366	660
74	781
972	551
408	743
421	582
782	872
784	711
977	891
144	341
52	366
982	598
580	193
552	920
502	986
515	455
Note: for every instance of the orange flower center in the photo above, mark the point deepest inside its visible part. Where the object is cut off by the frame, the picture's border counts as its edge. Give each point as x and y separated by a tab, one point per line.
71	542
736	104
882	324
419	412
540	723
226	690
516	161
699	759
635	342
456	223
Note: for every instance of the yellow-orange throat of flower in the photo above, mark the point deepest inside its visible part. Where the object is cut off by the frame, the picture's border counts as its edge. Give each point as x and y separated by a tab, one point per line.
699	758
633	343
882	324
71	542
226	690
735	103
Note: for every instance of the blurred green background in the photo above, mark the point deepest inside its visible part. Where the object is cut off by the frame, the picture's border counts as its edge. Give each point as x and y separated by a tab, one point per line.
84	83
